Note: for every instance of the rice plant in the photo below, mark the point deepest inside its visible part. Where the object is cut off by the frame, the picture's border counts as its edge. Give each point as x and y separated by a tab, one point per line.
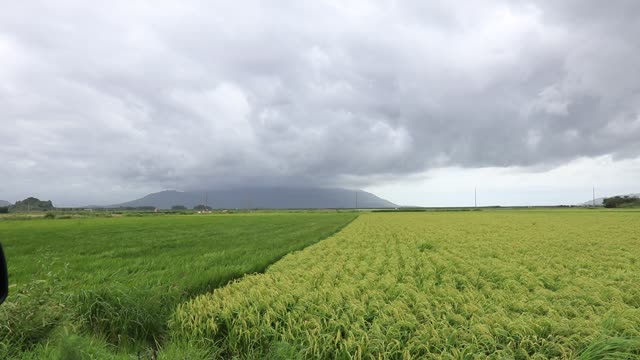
501	284
119	279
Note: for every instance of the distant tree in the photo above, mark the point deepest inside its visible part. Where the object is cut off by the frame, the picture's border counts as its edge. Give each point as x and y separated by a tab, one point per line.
4	209
621	201
178	207
201	208
612	202
138	208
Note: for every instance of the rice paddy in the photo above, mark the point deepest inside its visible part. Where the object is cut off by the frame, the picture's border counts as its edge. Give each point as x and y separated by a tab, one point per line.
111	284
490	284
501	284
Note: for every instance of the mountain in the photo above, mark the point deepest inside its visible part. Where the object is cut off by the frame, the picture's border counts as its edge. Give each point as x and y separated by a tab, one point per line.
4	203
600	200
32	203
263	198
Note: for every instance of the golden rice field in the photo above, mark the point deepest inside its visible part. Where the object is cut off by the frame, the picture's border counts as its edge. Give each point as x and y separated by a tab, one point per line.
467	285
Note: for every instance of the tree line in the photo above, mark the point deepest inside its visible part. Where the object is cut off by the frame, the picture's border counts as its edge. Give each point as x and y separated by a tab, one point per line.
621	202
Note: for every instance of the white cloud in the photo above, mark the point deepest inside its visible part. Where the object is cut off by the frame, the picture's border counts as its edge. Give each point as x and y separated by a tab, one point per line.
145	95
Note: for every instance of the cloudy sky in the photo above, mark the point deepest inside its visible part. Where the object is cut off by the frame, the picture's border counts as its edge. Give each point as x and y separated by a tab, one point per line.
532	102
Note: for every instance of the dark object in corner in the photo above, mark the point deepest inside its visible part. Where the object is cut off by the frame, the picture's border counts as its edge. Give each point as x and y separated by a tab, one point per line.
4	277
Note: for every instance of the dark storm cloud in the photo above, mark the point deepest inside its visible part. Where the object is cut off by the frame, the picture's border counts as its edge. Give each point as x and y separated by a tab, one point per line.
110	98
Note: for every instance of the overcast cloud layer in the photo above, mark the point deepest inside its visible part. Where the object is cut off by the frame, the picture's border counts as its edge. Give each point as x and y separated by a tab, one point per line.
103	100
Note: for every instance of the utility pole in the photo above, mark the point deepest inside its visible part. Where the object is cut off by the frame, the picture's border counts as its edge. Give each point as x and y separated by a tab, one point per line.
206	201
594	196
475	197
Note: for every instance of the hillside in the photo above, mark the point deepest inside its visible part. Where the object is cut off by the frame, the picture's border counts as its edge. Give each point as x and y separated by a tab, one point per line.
31	204
4	203
622	202
263	198
599	201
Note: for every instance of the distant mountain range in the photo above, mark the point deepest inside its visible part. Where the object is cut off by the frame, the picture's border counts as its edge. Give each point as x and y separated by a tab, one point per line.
263	198
5	203
599	201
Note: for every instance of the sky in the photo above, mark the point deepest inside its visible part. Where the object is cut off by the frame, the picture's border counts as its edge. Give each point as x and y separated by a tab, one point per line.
420	102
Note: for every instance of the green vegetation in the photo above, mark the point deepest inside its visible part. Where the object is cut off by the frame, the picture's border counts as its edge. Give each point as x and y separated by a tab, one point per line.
621	202
84	287
406	285
497	284
32	204
201	208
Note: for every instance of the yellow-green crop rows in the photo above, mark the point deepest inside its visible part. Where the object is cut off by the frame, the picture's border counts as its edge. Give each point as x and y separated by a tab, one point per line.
519	284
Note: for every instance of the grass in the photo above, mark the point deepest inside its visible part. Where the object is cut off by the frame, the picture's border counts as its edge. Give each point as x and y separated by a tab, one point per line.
491	284
112	283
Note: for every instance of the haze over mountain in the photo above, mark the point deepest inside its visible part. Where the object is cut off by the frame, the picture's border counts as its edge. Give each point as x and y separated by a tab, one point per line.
263	198
4	203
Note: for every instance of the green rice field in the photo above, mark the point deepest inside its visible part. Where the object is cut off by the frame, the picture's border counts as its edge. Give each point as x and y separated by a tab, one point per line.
114	282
